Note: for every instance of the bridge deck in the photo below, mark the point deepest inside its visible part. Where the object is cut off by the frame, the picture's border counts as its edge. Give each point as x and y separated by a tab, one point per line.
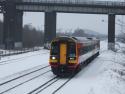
82	2
76	6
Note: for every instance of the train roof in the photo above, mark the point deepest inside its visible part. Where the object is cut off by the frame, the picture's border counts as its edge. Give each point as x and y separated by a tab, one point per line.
85	39
77	39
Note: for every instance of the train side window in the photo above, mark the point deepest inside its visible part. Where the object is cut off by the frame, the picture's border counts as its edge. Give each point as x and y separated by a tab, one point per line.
83	50
54	48
87	49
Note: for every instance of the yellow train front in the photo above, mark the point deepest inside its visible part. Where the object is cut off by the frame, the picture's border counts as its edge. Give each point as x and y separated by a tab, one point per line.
66	56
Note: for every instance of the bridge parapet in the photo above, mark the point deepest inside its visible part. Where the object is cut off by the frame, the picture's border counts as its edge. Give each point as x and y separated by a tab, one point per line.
81	2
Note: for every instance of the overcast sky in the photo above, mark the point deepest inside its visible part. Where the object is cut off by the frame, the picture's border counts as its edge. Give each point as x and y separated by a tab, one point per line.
69	21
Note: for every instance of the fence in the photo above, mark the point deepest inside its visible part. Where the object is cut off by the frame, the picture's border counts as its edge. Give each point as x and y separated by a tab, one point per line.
4	53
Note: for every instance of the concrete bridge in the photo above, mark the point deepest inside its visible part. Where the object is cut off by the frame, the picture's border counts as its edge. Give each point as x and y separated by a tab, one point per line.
13	15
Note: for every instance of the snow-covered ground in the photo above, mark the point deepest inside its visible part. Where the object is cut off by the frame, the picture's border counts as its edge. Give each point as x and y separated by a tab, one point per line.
104	75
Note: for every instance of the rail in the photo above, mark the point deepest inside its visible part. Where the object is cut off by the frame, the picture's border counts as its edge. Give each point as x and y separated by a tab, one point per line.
22	78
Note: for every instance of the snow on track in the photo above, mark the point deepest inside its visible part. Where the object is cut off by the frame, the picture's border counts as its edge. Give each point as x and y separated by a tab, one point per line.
18	82
31	85
29	62
18	75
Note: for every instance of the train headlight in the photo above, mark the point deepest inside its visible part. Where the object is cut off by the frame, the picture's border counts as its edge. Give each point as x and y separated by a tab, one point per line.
53	57
72	58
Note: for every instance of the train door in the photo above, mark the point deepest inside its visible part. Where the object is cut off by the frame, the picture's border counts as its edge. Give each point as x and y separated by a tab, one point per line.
63	51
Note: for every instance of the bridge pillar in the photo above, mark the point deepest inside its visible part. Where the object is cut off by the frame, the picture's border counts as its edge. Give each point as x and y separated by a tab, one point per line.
111	31
50	26
12	35
18	30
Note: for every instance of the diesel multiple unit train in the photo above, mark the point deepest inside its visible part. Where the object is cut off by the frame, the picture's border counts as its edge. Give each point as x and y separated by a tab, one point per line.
69	54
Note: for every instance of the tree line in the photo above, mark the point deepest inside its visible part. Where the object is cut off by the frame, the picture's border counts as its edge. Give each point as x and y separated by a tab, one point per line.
33	37
82	33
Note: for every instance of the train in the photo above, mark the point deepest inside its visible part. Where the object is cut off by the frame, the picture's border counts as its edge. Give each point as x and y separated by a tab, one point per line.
69	54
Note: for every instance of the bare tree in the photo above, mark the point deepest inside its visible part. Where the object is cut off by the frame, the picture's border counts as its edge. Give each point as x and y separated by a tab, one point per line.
79	33
32	37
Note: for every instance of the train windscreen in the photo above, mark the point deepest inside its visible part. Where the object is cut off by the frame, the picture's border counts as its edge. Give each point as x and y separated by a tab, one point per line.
54	48
72	50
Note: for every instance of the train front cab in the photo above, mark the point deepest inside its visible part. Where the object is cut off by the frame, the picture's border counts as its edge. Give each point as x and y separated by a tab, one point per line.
63	56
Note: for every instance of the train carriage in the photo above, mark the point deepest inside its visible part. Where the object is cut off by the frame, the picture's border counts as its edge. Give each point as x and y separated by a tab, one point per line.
69	54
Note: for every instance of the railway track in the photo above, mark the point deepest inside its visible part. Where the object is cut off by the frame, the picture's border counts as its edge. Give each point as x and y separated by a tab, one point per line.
47	86
15	84
62	85
9	83
44	86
